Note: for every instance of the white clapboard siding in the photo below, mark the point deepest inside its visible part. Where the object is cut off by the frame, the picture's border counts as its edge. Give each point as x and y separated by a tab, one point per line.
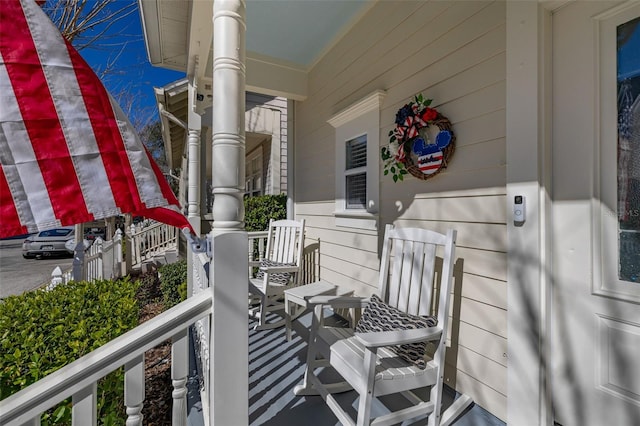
488	126
400	46
431	47
483	395
318	208
483	342
480	368
485	290
367	259
360	239
472	209
454	53
491	264
384	18
347	283
483	316
356	272
485	236
481	178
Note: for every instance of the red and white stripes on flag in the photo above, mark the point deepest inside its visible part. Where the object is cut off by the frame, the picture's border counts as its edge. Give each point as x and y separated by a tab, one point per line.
68	154
430	163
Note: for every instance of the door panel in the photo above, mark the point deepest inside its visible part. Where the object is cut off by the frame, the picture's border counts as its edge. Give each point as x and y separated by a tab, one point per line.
595	370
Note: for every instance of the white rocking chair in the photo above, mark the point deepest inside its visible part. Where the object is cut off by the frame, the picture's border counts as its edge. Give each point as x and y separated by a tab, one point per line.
278	270
370	362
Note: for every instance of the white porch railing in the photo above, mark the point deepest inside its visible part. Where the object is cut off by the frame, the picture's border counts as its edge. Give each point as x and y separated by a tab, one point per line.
102	261
147	241
257	246
202	328
78	379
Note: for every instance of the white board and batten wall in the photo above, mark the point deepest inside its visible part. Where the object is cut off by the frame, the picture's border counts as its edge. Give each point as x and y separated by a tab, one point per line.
454	53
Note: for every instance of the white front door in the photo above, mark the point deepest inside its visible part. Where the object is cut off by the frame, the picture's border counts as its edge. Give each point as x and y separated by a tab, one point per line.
595	364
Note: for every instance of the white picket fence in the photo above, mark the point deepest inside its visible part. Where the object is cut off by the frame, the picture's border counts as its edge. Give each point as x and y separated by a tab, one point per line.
103	260
149	239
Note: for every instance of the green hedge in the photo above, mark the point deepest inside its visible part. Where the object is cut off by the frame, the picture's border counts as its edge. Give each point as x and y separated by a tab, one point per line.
258	211
173	283
42	331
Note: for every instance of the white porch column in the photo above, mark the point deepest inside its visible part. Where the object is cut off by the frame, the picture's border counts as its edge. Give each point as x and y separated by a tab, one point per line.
229	340
193	149
193	185
528	175
194	169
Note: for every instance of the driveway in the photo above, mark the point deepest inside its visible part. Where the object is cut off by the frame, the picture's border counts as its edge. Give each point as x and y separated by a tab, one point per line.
18	275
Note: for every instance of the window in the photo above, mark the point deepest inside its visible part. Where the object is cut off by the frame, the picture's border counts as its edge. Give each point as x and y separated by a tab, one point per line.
356	173
617	216
357	139
253	174
628	45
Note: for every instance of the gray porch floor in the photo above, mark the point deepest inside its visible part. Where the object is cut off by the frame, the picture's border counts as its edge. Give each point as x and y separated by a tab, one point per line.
276	366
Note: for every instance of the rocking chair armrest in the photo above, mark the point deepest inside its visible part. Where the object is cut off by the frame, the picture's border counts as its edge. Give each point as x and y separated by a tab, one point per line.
399	337
254	263
340	302
278	269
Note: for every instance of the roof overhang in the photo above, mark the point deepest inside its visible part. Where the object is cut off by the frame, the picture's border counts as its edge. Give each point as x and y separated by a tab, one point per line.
284	39
172	101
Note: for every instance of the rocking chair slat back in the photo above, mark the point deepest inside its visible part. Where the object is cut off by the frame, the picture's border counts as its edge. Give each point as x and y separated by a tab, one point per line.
283	246
409	284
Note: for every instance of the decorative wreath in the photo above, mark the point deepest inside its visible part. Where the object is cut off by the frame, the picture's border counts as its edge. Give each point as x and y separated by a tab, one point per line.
410	147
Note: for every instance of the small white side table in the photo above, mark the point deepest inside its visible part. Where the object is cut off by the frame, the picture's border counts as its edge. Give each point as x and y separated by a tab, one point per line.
300	295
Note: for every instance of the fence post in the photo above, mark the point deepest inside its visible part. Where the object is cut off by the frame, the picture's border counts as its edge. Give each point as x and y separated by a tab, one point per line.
56	278
78	262
131	248
100	260
128	249
117	255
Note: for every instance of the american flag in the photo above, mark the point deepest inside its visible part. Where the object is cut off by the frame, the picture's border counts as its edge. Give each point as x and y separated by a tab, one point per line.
68	154
430	163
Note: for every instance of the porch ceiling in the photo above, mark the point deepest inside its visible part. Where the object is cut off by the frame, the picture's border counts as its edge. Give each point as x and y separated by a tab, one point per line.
284	38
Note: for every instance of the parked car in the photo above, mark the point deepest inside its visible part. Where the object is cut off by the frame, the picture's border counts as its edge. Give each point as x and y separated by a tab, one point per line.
93	233
48	243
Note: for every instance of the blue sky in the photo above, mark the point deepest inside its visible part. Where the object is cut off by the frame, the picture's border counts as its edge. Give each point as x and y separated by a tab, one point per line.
134	72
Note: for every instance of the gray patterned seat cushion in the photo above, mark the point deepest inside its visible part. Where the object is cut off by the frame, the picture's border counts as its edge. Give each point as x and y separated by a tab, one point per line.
278	278
379	316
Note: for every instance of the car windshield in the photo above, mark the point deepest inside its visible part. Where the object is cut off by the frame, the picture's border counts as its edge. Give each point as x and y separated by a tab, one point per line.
55	233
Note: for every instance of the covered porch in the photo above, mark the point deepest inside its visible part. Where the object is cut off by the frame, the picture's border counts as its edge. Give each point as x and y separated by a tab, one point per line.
347	68
276	366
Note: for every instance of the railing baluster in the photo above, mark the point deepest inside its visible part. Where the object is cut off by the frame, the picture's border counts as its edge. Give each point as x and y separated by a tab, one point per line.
84	402
179	372
134	390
